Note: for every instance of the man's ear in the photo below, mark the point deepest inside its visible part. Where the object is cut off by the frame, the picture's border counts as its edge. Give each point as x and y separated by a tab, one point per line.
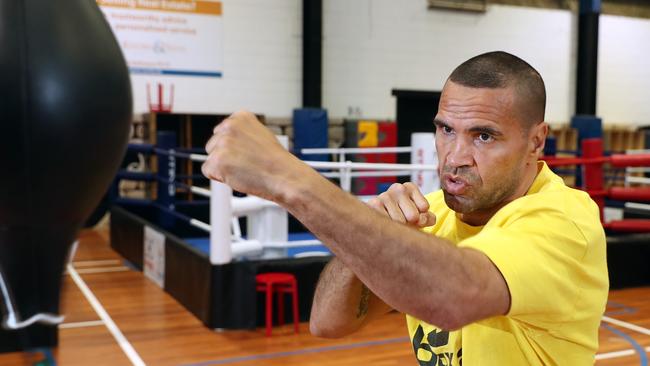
538	138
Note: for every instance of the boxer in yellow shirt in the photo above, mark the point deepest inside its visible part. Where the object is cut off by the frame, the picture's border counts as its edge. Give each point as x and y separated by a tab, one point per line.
509	266
549	247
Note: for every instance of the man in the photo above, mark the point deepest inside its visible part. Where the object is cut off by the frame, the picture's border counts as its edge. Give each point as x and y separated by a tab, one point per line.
510	269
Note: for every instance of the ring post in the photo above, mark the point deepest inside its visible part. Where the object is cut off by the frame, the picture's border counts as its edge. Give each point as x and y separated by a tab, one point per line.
424	152
166	140
588	126
269	223
283	140
220	218
593	172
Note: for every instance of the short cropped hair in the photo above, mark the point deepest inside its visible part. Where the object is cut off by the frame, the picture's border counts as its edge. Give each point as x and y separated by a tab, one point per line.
500	69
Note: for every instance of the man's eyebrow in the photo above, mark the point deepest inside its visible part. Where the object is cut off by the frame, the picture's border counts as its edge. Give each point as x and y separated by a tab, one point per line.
475	129
440	123
486	129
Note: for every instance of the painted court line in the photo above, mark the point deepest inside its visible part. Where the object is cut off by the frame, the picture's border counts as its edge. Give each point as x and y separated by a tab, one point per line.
91	323
617	354
267	356
602	356
103	262
638	349
112	327
103	270
619	309
627	325
626	352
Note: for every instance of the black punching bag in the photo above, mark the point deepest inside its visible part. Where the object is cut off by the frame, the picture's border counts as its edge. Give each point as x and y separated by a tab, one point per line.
65	109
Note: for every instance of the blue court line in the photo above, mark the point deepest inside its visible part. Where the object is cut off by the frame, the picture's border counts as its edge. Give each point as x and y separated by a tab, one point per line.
620	309
637	347
300	352
49	359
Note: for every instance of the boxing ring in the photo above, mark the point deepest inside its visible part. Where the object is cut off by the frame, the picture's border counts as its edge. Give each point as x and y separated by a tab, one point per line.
206	246
210	260
592	162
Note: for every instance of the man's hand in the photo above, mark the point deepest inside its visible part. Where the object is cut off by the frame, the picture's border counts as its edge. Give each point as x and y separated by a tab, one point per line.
406	204
245	155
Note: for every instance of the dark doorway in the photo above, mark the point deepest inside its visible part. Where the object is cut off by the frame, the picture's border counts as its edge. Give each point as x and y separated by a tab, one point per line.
415	112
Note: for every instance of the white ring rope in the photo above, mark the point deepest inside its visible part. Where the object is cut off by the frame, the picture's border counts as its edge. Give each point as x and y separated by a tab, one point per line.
293	244
637	206
368	173
369	166
245	206
631	170
358	150
198	157
201	225
201	191
342	165
637	169
639	180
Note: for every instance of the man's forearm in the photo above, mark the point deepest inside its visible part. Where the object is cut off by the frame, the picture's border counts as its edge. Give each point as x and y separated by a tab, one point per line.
411	271
341	302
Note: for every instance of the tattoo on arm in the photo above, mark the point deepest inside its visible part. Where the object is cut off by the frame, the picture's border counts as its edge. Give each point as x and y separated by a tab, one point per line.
363	302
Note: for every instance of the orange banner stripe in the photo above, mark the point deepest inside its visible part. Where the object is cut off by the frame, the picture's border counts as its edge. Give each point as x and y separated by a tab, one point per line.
175	6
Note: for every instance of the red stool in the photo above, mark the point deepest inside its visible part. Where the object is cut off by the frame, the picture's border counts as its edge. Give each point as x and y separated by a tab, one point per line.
281	283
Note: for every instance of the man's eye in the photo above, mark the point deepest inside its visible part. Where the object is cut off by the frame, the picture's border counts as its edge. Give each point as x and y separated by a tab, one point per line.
446	129
485	137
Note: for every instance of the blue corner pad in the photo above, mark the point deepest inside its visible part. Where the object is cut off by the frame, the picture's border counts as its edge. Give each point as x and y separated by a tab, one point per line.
587	126
590	6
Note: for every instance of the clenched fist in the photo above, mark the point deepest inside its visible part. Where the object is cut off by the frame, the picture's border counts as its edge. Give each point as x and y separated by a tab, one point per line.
245	155
406	204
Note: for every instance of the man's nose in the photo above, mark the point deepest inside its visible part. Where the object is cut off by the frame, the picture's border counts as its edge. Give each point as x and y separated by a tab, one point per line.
460	154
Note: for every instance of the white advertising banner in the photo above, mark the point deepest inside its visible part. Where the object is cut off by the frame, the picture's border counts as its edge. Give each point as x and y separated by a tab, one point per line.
168	37
154	256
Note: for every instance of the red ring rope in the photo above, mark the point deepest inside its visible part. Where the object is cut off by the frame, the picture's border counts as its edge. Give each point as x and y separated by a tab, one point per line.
592	162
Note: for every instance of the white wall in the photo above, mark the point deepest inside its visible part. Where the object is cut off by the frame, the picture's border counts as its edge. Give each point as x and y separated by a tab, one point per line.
262	64
373	46
624	70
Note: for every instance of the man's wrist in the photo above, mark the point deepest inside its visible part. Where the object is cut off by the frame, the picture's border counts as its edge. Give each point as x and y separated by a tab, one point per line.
294	183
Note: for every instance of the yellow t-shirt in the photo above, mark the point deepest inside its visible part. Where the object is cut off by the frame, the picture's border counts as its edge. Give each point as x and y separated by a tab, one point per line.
550	247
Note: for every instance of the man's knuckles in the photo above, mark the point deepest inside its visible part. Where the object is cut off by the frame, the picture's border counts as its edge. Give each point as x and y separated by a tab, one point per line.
210	171
396	189
410	186
375	203
411	216
243	114
219	164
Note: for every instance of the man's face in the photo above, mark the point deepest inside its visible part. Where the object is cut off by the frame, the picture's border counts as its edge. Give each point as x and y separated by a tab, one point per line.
482	149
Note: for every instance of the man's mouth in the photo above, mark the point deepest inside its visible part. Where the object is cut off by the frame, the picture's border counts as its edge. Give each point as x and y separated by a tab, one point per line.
454	184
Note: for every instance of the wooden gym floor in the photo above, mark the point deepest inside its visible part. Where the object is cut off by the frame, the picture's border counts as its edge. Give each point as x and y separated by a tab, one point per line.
135	322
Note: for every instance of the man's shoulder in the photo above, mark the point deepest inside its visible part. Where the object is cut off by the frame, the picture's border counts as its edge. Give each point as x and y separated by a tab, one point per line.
557	196
550	191
556	208
557	203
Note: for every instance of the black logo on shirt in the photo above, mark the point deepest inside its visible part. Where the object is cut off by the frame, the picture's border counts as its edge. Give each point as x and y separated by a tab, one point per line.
435	338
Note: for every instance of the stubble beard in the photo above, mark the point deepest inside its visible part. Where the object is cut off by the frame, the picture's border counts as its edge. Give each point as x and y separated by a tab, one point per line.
480	197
